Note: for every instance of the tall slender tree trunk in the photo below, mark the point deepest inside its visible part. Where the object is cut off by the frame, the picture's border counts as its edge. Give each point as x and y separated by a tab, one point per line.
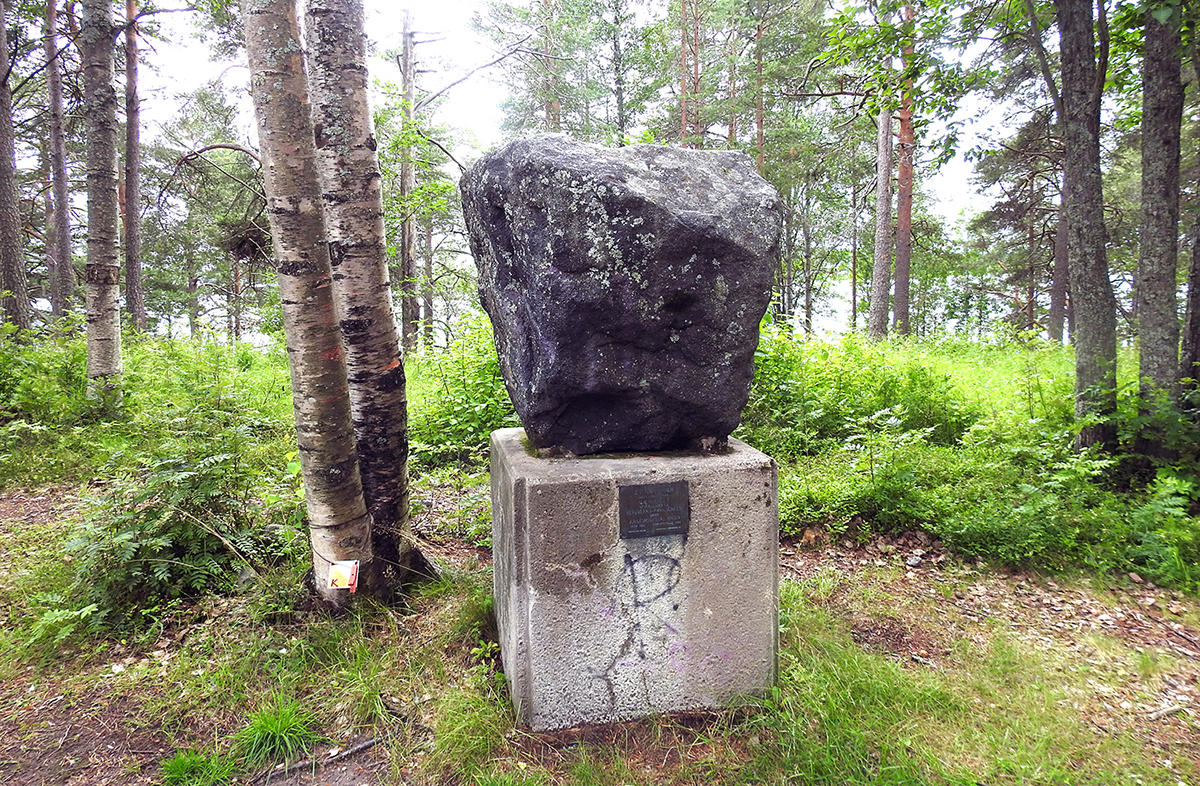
854	255
881	272
759	113
1058	284
96	38
1095	327
1189	364
135	297
1158	254
339	522
64	266
12	251
427	283
408	265
904	192
683	73
352	193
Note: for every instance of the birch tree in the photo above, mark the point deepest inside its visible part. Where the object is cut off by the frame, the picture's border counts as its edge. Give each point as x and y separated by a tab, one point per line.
351	184
339	522
96	38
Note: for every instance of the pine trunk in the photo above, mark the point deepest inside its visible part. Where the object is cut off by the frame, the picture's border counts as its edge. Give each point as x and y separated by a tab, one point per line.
352	193
1158	255
12	250
881	273
904	196
135	298
339	523
1058	287
64	266
1093	303
103	272
427	283
408	246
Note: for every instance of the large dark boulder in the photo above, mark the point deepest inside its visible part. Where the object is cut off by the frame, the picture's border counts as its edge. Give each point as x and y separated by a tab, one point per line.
625	288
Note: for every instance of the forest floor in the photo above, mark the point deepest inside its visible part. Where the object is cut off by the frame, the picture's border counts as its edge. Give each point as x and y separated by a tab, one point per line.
77	719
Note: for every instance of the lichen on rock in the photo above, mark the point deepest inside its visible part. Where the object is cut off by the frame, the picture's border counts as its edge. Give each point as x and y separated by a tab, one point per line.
625	288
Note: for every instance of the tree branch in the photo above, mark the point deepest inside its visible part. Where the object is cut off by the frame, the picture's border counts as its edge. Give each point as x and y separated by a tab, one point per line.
512	51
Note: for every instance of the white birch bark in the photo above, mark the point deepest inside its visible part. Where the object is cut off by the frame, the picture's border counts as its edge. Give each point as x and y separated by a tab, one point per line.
339	524
96	38
351	184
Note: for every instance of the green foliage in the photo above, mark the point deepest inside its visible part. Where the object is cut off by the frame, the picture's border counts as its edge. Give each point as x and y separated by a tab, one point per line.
57	623
809	396
281	731
465	400
180	529
190	768
1160	538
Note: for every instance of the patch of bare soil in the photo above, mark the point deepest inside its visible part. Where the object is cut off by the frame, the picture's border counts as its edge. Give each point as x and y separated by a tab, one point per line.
1148	687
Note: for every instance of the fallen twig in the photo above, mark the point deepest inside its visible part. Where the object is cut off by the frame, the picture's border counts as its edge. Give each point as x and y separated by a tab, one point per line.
1165	711
299	765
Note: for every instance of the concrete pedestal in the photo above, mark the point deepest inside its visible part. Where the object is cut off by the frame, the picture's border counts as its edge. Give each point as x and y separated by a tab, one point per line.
598	627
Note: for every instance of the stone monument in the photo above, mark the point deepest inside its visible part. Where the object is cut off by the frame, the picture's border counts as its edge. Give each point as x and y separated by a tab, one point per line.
634	542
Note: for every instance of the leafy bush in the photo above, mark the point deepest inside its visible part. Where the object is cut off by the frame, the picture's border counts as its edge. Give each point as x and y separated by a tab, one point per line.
183	527
810	396
465	398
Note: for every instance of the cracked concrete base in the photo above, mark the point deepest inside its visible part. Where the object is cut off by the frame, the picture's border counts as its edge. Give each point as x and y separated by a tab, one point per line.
596	628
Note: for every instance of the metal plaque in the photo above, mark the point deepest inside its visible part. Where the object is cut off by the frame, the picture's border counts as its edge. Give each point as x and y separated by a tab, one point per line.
654	509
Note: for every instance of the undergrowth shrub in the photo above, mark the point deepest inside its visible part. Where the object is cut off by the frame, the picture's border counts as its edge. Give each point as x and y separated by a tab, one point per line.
184	527
465	398
810	396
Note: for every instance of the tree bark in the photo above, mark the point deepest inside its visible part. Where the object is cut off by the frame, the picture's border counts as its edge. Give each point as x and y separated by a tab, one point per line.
135	297
64	267
1158	254
1058	286
352	193
103	272
904	194
339	523
408	246
881	273
12	251
1095	326
427	285
854	254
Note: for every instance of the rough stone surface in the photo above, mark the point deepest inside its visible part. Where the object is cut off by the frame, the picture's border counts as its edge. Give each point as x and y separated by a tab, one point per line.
625	287
596	628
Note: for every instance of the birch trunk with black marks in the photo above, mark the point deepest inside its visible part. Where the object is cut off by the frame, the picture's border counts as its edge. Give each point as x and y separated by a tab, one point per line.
64	266
103	271
352	192
339	523
12	250
881	273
